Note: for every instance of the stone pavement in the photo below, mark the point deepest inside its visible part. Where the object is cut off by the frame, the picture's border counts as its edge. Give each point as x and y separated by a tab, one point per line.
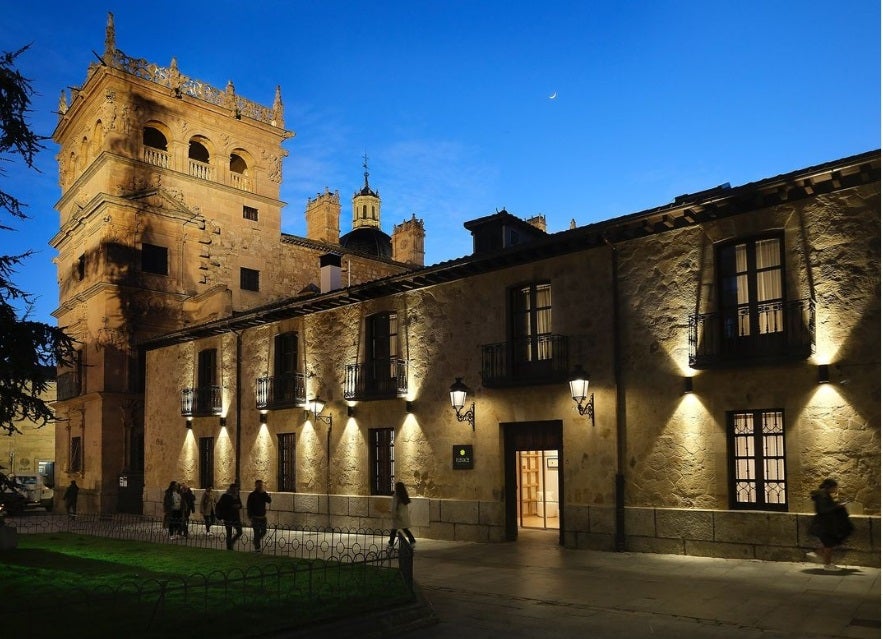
534	588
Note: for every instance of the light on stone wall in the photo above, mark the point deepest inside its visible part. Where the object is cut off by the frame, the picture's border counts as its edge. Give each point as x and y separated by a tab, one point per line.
316	406
579	391
459	391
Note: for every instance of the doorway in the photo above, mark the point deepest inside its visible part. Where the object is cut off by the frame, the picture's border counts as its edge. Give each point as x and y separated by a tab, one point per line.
537	489
534	484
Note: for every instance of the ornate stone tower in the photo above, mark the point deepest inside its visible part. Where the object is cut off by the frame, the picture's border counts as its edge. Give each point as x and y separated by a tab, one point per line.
169	211
323	217
407	242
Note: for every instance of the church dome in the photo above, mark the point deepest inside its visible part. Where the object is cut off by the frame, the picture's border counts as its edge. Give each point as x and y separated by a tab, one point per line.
369	240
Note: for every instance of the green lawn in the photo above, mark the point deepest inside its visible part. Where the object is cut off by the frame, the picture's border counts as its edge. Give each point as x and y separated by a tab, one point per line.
88	586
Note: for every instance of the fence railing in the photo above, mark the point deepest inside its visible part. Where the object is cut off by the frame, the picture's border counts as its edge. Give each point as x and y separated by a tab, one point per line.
357	571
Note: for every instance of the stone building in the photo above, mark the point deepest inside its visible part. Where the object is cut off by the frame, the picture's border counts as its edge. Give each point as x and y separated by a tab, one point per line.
29	454
732	337
733	342
169	217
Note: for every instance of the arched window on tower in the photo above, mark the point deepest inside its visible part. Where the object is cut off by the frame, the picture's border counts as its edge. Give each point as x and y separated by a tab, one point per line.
199	160
364	211
156	147
239	172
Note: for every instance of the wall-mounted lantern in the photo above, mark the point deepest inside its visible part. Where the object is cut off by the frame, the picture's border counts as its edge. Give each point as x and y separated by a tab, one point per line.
824	374
459	391
316	406
579	391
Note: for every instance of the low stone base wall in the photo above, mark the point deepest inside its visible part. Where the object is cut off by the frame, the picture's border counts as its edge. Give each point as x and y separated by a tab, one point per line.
770	536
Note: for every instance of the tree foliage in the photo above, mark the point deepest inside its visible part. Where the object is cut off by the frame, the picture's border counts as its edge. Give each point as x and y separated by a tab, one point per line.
29	350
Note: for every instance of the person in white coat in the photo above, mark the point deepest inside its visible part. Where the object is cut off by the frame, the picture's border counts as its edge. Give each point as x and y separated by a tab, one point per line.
401	516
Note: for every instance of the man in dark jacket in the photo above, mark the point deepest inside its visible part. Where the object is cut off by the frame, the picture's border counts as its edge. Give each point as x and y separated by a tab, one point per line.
70	499
228	508
256	507
188	507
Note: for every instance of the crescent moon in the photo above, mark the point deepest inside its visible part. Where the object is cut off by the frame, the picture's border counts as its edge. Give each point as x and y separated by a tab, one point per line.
553	96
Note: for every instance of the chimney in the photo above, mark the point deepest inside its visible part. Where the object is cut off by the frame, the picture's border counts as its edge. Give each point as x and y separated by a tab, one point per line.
329	272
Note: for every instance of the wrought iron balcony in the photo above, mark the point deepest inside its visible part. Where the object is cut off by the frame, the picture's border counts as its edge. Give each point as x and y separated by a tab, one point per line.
541	359
201	402
382	379
753	333
280	391
68	386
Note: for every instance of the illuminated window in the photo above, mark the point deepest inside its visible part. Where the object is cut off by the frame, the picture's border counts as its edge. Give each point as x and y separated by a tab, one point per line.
756	451
382	453
531	323
286	479
751	288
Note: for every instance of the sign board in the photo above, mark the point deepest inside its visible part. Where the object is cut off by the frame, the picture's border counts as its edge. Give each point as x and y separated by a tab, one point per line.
463	459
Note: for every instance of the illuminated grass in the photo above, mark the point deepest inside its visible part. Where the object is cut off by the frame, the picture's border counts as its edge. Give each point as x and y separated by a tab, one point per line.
93	587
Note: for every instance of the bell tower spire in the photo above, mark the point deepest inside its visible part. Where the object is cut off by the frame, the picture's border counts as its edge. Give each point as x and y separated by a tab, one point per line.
366	204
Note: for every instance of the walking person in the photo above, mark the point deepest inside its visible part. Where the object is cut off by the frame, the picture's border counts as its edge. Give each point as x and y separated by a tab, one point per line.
401	515
70	499
256	508
188	507
228	510
207	508
831	523
171	505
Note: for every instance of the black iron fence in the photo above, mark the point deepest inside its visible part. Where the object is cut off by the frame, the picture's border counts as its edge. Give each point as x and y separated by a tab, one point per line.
768	331
335	571
380	379
539	359
202	401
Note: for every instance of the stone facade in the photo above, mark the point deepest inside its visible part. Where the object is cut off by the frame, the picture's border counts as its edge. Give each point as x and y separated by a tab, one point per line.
170	199
626	293
23	453
169	217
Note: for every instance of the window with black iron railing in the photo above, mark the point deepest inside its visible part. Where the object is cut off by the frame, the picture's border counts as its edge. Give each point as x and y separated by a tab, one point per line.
280	391
201	401
774	331
378	379
537	359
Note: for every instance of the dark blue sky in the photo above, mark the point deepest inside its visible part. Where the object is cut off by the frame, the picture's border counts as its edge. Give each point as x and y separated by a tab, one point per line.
451	102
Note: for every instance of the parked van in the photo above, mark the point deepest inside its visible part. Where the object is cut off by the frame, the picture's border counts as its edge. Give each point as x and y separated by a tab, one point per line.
36	491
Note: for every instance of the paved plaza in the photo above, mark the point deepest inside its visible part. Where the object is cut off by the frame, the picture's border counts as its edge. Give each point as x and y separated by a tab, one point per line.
534	588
